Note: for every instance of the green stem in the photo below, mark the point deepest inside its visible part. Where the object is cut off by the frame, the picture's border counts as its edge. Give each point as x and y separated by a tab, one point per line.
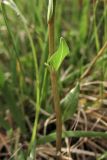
37	88
31	149
54	84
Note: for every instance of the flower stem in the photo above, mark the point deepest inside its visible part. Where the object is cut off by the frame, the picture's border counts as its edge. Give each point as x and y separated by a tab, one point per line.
55	92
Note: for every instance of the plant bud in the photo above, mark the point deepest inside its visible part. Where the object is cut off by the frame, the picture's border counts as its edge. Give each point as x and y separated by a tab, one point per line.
50	10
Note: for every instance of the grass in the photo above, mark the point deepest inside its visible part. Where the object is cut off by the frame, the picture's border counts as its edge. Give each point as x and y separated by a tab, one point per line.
25	87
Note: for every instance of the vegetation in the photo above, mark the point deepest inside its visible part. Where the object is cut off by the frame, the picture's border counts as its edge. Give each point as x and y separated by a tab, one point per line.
53	75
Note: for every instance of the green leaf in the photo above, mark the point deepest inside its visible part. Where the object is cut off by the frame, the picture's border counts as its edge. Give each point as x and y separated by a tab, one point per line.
2	78
69	103
56	59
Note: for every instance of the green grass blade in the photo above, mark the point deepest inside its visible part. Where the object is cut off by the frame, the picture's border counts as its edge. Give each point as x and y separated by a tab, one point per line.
2	78
95	28
71	134
84	21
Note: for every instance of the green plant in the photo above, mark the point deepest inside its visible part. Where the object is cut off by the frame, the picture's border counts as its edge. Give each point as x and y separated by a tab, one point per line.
54	62
55	92
26	69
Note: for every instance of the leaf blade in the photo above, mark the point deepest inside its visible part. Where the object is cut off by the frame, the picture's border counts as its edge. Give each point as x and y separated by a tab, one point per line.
70	103
56	59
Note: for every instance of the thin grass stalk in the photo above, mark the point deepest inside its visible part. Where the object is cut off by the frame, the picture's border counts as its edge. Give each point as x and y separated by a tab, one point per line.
70	134
97	43
55	92
32	145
